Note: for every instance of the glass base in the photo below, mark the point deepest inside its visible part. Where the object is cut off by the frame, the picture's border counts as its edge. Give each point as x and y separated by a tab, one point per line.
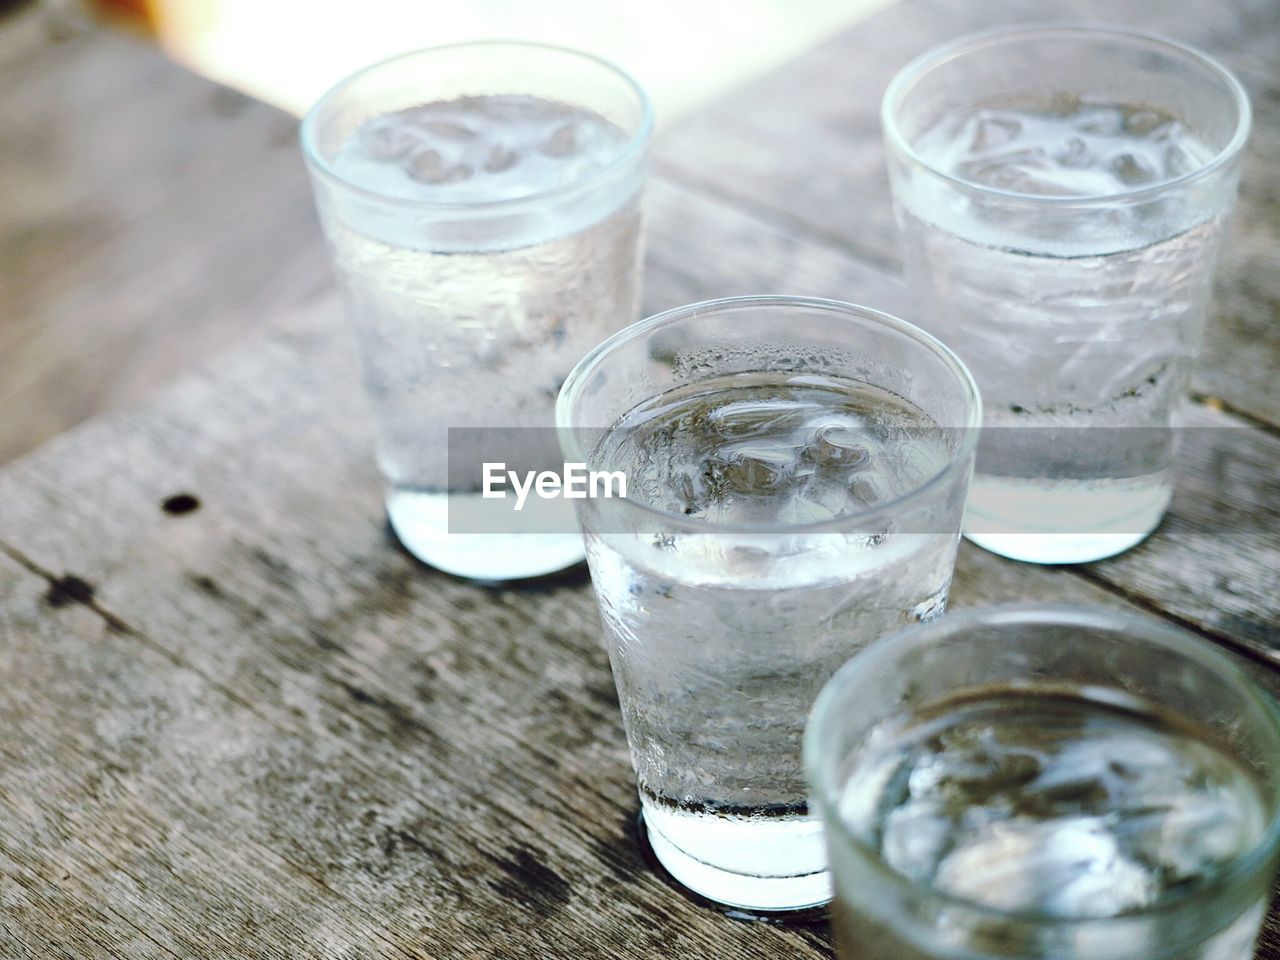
421	523
1063	521
1056	547
748	891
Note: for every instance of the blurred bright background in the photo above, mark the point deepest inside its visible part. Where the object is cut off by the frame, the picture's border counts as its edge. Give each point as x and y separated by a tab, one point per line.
288	52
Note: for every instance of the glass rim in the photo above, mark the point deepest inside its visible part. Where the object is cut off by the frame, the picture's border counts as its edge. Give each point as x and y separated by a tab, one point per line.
850	311
905	79
638	139
1122	622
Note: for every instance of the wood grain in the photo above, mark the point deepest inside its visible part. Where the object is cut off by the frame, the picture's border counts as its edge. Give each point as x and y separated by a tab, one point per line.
148	218
263	722
260	722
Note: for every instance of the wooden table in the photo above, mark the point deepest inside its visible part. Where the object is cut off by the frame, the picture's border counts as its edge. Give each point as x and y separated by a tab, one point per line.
236	720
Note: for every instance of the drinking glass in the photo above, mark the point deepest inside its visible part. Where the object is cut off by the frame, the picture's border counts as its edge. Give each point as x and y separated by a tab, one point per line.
1047	783
482	205
796	474
1061	192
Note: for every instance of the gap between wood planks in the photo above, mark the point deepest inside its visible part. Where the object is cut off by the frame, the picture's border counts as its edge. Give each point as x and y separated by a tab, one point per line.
68	590
353	758
65	589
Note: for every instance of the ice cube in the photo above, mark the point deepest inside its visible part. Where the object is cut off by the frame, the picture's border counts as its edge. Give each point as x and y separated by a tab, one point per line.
1177	161
991	132
1192	834
500	159
1133	170
513	107
1099	121
563	141
756	470
1144	122
861	797
1011	170
448	130
689	489
974	766
1070	867
916	835
430	166
1064	105
1075	154
387	141
822	498
1075	780
750	418
864	492
839	446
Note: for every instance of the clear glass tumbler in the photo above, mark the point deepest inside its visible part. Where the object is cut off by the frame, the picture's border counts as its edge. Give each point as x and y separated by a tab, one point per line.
1061	192
483	206
1046	783
796	474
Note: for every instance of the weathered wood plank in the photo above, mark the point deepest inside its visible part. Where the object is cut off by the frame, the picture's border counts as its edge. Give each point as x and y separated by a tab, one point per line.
38	921
803	147
1215	560
148	218
448	813
105	804
702	247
